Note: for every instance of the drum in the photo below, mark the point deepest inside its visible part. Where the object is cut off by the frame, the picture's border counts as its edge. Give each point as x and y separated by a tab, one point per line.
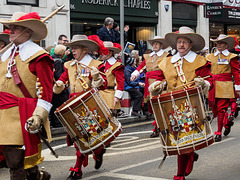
89	121
183	121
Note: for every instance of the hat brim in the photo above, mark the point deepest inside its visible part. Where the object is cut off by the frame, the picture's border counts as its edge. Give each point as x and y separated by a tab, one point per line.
229	40
162	41
5	38
91	45
114	49
38	27
197	40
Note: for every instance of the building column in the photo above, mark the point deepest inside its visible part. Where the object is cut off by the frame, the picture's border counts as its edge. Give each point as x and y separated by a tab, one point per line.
164	18
202	24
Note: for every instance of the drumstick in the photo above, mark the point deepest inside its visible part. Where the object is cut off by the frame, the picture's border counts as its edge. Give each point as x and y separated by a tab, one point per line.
192	82
91	68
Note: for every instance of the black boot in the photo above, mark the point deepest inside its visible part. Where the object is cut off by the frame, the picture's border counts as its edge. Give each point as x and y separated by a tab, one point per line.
228	128
218	138
99	159
36	174
15	161
155	134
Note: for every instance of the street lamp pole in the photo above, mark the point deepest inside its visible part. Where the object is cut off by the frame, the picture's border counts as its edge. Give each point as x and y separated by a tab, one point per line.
122	27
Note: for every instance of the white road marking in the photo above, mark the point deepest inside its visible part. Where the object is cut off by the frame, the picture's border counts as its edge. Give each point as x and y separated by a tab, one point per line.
113	173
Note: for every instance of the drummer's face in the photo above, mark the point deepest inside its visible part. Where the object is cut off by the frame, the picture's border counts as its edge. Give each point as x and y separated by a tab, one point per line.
157	46
79	52
184	45
222	46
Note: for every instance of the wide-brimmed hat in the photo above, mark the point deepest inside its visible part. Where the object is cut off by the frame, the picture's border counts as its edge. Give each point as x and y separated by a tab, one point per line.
112	47
197	40
82	40
4	36
29	20
227	39
160	40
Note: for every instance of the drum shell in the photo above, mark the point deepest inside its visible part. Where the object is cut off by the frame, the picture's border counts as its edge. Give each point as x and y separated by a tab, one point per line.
190	132
84	104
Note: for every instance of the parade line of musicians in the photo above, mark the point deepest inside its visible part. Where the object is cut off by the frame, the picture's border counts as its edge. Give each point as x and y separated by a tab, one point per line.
28	71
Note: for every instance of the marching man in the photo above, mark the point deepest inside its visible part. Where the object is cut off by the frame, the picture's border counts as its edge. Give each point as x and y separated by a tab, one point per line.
183	67
114	71
150	64
225	65
81	45
26	77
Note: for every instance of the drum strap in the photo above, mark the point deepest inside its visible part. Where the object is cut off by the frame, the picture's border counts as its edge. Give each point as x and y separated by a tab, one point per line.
18	81
181	74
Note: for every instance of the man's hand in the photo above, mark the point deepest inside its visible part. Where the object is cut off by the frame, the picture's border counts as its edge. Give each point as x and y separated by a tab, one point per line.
201	82
132	78
156	88
115	101
95	73
67	52
39	116
238	93
141	84
58	87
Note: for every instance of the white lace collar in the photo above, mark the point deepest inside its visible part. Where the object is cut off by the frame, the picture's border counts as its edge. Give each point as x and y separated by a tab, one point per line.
85	60
225	52
111	60
26	50
190	57
159	53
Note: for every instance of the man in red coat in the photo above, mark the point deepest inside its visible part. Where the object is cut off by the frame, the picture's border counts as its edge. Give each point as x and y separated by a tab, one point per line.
225	65
26	77
183	67
150	65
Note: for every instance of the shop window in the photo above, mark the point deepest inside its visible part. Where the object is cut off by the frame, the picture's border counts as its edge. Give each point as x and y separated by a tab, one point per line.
24	2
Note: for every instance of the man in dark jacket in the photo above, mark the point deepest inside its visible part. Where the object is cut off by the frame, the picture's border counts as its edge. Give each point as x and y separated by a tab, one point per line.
106	33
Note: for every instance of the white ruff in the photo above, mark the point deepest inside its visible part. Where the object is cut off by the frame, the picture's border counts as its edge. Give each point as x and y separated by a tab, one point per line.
26	50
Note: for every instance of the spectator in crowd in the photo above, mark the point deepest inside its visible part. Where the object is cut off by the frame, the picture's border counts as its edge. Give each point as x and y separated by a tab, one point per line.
58	99
4	38
126	29
62	39
106	33
117	32
132	87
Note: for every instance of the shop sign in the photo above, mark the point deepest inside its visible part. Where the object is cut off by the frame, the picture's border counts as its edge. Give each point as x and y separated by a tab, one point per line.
233	13
213	10
139	4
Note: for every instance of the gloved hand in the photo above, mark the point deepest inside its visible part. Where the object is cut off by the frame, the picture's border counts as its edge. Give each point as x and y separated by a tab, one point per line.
58	87
201	82
156	88
95	73
97	83
39	116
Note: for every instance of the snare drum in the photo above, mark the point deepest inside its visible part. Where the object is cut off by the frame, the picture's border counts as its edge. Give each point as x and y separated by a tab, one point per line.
89	121
183	122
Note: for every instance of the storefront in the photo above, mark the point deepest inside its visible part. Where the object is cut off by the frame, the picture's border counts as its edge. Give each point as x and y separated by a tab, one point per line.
87	17
227	24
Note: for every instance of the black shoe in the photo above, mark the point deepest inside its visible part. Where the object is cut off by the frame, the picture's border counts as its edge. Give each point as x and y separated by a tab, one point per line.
236	112
44	175
99	159
228	130
136	114
154	134
75	175
218	138
195	156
